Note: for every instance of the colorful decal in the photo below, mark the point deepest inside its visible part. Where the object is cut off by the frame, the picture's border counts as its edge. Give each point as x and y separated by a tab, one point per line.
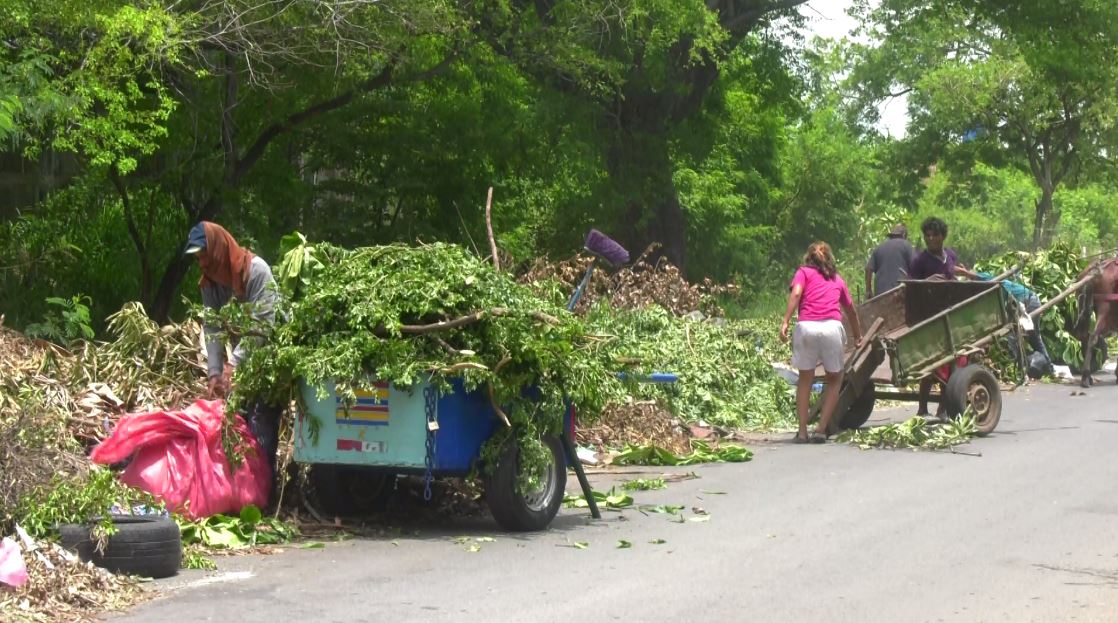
355	445
371	408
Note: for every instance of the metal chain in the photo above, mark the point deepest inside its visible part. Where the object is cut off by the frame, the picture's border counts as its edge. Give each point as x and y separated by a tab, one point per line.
431	407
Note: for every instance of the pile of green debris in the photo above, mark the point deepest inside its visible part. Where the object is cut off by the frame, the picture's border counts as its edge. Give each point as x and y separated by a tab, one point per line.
412	313
436	311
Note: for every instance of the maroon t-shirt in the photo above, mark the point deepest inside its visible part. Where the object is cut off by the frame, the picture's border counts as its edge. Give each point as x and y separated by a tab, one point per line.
925	265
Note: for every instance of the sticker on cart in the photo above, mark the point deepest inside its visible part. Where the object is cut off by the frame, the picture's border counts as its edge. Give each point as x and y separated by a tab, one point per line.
356	445
370	409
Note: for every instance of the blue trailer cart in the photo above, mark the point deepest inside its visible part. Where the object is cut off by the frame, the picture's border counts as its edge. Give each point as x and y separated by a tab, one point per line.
357	450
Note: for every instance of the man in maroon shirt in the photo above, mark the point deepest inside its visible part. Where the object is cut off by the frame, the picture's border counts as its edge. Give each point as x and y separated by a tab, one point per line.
934	261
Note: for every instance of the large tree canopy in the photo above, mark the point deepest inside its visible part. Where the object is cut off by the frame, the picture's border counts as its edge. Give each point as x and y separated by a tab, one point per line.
1034	79
646	67
712	127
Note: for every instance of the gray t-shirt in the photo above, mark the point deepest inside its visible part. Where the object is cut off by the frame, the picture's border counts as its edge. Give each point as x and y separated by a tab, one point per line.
889	263
260	294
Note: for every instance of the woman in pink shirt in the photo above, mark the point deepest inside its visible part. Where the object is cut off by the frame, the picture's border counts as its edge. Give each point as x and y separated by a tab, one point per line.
820	296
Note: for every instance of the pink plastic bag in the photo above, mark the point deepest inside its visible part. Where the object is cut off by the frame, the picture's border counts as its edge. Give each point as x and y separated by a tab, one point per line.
179	459
13	571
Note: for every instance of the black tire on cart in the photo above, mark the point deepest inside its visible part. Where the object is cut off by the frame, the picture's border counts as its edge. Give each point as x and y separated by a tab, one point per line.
975	387
517	511
148	546
860	410
346	490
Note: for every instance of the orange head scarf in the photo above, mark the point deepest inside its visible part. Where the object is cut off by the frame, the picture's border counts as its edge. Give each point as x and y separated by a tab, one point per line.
223	261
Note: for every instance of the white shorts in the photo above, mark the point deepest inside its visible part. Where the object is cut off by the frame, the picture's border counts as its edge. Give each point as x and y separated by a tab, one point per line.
818	341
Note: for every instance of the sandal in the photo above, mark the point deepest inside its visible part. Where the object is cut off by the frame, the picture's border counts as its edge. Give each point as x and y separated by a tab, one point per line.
818	437
798	439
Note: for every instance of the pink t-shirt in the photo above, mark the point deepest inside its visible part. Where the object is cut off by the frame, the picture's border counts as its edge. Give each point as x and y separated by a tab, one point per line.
822	296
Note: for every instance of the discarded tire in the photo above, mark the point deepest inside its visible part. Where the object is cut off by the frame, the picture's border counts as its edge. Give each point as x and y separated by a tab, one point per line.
142	545
976	388
518	511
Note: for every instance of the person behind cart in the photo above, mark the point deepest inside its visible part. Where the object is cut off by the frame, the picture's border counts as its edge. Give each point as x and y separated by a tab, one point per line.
232	273
889	262
935	262
819	296
1030	301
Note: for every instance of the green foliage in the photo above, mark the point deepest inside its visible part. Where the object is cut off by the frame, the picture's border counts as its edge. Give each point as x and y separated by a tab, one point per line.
193	557
87	77
1047	274
68	321
644	484
248	529
724	379
701	452
612	499
77	241
1014	86
77	500
913	433
356	316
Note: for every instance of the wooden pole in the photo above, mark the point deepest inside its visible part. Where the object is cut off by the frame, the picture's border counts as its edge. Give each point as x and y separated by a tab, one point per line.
489	230
1073	288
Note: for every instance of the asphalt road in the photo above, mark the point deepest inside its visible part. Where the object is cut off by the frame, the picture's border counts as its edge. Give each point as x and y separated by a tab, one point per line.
1024	527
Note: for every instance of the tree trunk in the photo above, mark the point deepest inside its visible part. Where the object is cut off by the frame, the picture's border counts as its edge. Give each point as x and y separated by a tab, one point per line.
1041	231
160	310
179	264
641	170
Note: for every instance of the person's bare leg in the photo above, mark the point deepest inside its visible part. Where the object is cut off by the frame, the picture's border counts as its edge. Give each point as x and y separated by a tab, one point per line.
925	391
803	399
833	383
941	407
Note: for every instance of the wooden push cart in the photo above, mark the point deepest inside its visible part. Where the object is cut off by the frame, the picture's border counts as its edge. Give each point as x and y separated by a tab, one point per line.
928	329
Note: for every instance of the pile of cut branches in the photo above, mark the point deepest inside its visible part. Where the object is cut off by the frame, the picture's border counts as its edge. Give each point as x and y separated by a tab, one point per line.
409	314
56	403
637	423
1047	273
62	588
644	282
725	379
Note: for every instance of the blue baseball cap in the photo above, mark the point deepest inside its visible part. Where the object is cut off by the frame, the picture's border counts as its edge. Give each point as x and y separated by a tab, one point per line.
196	241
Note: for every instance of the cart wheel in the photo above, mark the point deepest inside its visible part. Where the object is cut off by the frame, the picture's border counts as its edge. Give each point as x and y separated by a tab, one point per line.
343	490
975	387
860	411
518	511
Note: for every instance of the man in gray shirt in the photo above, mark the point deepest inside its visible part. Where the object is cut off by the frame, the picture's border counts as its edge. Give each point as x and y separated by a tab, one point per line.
231	272
889	262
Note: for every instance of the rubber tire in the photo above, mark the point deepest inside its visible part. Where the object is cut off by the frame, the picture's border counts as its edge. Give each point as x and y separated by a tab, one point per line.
350	490
861	410
956	399
146	546
508	505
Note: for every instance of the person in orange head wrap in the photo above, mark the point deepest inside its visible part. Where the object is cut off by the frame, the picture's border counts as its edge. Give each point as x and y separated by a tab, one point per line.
231	272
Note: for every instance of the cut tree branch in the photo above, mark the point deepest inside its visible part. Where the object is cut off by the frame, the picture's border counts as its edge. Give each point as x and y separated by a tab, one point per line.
489	230
417	329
